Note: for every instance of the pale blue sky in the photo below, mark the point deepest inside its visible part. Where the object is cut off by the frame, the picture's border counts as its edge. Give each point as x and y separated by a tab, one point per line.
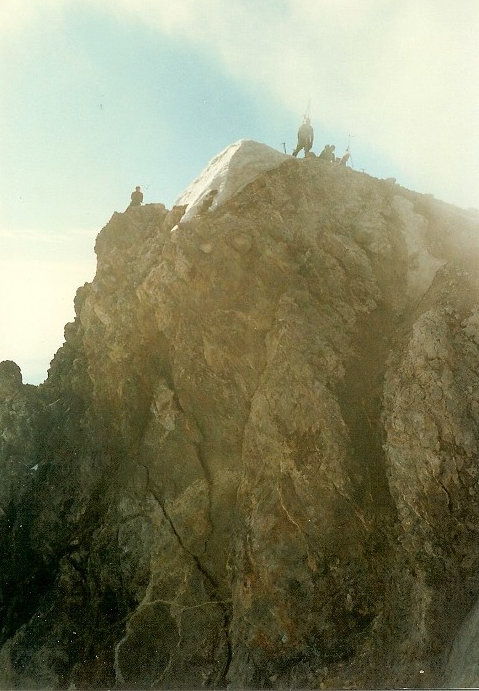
101	95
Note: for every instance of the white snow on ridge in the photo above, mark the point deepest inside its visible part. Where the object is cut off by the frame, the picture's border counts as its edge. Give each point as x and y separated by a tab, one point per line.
227	173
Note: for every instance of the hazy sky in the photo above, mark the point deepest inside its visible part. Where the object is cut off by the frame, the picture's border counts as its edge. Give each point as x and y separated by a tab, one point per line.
99	96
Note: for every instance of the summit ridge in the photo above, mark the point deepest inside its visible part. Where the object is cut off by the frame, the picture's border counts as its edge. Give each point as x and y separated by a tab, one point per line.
227	173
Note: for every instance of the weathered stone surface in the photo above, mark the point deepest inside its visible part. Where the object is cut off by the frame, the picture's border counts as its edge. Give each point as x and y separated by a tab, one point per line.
256	454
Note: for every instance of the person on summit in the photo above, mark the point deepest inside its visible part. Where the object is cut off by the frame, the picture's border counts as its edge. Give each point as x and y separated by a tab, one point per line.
327	154
136	197
345	158
305	138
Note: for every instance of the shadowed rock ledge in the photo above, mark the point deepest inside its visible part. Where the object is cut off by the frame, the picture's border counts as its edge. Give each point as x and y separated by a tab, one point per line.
254	461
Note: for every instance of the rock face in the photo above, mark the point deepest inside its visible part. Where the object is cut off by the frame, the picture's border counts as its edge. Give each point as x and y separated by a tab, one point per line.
254	461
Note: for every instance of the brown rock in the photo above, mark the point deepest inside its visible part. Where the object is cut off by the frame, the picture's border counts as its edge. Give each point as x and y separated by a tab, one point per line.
257	449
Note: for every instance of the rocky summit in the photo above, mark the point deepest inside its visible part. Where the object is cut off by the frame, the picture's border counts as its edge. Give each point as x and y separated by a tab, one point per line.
254	463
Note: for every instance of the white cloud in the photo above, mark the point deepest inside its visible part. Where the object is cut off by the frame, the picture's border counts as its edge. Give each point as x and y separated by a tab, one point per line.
401	76
15	15
38	282
36	300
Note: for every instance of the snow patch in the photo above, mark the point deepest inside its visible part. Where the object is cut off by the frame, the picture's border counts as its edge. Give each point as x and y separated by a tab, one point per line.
226	174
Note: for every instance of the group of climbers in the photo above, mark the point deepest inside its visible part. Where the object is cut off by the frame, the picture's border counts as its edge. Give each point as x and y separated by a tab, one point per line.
305	141
327	154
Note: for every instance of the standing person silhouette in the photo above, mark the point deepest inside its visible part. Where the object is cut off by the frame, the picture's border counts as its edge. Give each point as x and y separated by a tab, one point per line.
345	158
305	137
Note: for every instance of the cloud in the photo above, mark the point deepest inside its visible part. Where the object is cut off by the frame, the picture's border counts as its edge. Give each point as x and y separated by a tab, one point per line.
38	281
16	15
36	300
32	244
401	76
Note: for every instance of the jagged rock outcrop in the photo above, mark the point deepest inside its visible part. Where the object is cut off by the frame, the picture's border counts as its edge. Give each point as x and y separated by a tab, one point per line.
254	461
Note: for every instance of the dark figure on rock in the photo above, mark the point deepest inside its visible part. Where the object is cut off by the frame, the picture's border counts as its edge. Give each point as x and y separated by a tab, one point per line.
305	138
345	158
136	197
327	154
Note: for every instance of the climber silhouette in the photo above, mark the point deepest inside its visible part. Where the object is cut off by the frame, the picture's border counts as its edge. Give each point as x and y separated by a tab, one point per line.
327	154
305	137
345	157
136	197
